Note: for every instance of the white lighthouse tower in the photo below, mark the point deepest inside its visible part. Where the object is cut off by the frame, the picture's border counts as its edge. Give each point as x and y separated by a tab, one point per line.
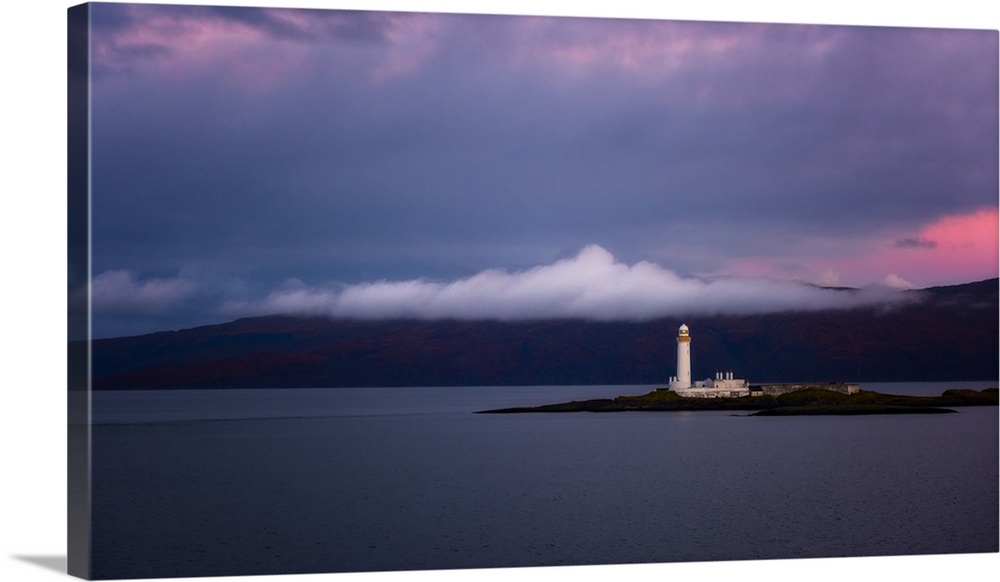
683	379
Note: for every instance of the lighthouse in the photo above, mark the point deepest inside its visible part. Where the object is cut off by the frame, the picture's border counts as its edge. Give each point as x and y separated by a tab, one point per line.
683	379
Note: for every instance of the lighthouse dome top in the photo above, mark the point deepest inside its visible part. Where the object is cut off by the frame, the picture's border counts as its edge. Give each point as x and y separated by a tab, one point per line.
683	329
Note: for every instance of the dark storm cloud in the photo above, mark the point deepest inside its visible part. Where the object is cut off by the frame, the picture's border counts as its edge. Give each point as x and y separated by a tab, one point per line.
124	44
262	145
300	25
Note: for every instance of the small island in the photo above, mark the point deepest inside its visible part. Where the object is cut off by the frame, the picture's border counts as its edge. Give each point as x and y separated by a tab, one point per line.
810	401
727	392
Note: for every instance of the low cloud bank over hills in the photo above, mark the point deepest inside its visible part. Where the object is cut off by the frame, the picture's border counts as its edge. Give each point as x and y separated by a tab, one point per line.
936	334
590	285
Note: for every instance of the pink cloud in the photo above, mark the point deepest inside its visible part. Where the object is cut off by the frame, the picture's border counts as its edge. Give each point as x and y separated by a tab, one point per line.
654	46
953	249
264	49
182	45
965	248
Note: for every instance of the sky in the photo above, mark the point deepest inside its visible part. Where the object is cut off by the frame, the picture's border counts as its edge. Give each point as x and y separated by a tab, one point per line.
249	161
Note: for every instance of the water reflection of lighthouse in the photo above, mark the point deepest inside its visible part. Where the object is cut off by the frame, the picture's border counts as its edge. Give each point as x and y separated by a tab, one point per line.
683	378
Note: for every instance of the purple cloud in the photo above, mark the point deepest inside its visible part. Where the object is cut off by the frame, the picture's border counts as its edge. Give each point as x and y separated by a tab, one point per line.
121	291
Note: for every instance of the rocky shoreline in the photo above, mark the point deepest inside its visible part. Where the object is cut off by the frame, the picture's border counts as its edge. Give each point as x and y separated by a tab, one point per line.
801	402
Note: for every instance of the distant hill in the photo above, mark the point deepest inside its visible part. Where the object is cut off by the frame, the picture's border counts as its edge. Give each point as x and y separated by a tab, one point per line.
950	333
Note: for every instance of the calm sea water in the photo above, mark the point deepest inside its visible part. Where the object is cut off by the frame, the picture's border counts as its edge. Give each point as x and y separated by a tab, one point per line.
230	482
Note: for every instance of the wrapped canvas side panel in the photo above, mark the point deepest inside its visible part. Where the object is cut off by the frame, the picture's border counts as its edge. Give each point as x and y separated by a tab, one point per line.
78	292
